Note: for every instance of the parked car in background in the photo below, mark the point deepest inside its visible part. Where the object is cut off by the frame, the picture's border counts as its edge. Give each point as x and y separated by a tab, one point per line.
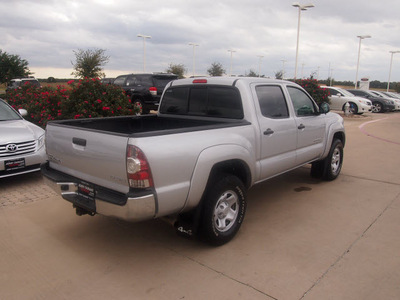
383	95
22	148
378	104
107	80
339	97
20	82
145	89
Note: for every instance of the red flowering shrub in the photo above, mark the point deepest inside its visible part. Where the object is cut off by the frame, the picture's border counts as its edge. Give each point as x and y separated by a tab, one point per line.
87	98
312	86
42	104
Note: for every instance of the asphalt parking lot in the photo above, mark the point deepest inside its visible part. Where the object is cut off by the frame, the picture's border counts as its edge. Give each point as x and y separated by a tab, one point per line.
301	239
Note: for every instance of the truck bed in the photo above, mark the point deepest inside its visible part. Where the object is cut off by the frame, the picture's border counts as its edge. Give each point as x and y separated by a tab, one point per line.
147	125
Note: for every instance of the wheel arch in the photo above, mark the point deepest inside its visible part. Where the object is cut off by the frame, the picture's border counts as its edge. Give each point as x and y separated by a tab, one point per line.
224	159
340	136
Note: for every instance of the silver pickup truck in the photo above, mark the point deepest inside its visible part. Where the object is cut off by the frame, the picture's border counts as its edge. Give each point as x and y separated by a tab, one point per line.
211	140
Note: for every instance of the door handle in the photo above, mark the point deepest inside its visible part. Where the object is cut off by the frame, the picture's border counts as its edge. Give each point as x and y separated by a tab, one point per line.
269	131
79	142
301	126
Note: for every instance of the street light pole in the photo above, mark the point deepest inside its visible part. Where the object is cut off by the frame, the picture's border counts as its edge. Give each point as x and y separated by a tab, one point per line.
230	68
390	70
194	46
361	37
144	49
300	7
283	68
259	64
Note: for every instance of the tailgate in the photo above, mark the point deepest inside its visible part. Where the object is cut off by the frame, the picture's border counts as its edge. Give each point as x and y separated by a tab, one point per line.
92	156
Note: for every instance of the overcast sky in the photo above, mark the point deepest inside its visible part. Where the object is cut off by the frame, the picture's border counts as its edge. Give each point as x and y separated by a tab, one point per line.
46	33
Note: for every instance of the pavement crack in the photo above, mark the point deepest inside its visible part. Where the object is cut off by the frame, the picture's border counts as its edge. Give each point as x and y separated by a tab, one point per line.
350	247
372	179
223	274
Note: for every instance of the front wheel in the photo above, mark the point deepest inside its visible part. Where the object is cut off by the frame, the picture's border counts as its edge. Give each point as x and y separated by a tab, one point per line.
353	108
330	167
334	161
223	211
377	107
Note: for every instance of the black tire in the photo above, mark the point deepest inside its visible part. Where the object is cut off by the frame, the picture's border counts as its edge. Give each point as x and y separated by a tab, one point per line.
330	167
334	161
224	207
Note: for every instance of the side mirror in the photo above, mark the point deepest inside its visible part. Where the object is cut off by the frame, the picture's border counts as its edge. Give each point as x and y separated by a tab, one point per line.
23	112
324	108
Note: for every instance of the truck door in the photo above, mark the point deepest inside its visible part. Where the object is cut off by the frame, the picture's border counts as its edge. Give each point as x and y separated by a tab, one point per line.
310	126
278	131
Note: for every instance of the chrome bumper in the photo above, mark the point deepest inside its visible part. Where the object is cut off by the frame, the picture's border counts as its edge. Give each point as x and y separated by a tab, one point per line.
135	209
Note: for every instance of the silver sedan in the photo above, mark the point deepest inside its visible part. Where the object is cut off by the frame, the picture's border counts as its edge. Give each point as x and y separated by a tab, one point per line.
22	148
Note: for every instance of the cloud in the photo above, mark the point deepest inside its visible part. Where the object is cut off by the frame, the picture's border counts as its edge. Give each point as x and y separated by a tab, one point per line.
46	33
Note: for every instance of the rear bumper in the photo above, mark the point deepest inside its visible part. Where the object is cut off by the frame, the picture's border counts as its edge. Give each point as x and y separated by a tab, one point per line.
129	207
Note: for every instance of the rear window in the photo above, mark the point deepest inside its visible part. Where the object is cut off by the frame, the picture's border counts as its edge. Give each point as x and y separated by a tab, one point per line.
209	101
161	81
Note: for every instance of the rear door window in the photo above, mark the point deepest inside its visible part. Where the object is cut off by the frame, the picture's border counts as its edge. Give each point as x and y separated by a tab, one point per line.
131	80
272	102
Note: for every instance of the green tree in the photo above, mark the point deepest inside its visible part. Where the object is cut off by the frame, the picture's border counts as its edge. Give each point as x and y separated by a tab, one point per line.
89	63
216	69
252	74
12	66
279	74
397	87
177	69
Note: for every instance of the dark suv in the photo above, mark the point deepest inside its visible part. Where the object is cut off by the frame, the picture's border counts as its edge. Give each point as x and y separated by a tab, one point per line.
145	89
20	82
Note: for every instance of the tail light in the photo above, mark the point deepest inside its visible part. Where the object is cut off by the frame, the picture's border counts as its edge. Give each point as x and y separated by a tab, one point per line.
153	91
200	81
138	169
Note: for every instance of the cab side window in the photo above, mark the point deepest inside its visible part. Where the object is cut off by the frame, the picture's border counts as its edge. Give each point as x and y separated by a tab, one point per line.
120	80
131	81
303	105
272	102
333	92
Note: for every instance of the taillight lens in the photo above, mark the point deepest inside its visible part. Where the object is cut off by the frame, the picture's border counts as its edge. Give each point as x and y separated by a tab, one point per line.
200	81
138	169
153	91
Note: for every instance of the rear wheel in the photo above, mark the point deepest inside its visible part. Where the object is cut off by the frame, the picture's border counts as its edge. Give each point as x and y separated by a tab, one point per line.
223	211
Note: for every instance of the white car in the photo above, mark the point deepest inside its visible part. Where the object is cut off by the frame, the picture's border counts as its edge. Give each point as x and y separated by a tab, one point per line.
386	95
22	148
339	97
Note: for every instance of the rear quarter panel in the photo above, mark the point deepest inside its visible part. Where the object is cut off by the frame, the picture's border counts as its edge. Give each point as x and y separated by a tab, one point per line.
174	159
